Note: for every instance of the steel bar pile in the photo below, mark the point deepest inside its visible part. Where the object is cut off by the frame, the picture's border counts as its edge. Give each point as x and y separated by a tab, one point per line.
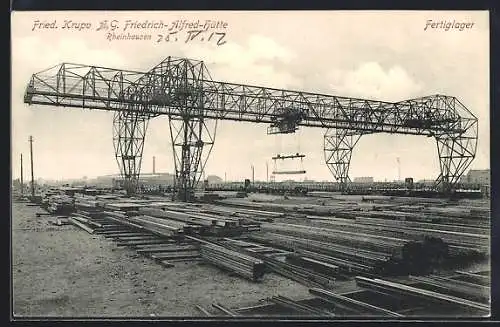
352	304
358	252
450	286
86	204
423	225
473	238
59	204
475	278
414	247
225	310
85	219
260	214
249	221
300	307
345	266
191	218
355	239
145	223
398	289
219	220
241	264
81	225
267	206
422	216
252	248
165	228
299	274
203	311
325	268
174	224
203	223
345	257
115	214
123	206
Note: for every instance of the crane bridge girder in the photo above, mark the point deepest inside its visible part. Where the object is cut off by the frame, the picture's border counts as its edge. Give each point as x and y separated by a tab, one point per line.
183	90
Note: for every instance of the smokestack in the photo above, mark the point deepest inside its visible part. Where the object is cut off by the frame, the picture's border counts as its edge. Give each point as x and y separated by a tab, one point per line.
22	180
32	174
253	175
154	165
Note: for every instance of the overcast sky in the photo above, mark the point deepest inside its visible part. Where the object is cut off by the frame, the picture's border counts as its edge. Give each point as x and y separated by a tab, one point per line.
377	55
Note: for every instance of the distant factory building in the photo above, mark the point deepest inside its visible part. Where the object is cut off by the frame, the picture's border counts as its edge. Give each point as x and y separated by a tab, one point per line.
479	176
145	179
364	180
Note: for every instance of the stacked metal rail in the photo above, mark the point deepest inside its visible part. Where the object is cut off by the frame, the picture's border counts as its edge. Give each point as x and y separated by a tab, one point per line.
59	204
438	298
303	275
347	259
243	265
379	298
359	240
457	237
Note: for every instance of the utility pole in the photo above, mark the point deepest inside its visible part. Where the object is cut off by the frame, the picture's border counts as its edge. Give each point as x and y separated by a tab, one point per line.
22	180
32	174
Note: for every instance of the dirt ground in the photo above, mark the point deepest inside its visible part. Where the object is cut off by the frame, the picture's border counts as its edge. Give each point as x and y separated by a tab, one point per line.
66	272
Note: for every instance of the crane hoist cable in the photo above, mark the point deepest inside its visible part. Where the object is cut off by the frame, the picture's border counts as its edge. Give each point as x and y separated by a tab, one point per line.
295	156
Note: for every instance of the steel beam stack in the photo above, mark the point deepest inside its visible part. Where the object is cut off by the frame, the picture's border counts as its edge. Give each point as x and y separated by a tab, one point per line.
241	264
398	289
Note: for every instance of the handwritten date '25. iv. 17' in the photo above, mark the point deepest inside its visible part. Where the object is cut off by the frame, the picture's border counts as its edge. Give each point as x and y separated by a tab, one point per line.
193	35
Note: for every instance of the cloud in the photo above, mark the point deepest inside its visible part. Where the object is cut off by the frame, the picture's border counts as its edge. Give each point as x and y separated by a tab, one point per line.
253	62
57	129
371	80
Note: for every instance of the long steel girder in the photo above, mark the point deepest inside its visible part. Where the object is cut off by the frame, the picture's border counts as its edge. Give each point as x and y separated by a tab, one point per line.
186	95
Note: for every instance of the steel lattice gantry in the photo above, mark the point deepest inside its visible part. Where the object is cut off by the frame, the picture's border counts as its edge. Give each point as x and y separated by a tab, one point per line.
183	90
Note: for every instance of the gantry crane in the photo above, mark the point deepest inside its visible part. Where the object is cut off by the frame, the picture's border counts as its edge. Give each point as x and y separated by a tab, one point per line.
183	90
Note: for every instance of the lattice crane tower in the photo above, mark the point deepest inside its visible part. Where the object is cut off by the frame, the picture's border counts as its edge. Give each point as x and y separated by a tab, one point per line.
183	90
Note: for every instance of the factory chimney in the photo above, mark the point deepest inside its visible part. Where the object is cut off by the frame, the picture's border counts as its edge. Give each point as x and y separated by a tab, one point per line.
253	175
154	165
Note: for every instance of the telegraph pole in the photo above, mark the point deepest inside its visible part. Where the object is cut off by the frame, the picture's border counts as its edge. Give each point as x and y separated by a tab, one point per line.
32	174
22	180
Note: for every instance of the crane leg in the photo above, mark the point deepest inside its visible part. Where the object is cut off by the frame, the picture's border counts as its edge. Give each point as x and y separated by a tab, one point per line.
456	153
129	131
191	134
192	142
338	146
